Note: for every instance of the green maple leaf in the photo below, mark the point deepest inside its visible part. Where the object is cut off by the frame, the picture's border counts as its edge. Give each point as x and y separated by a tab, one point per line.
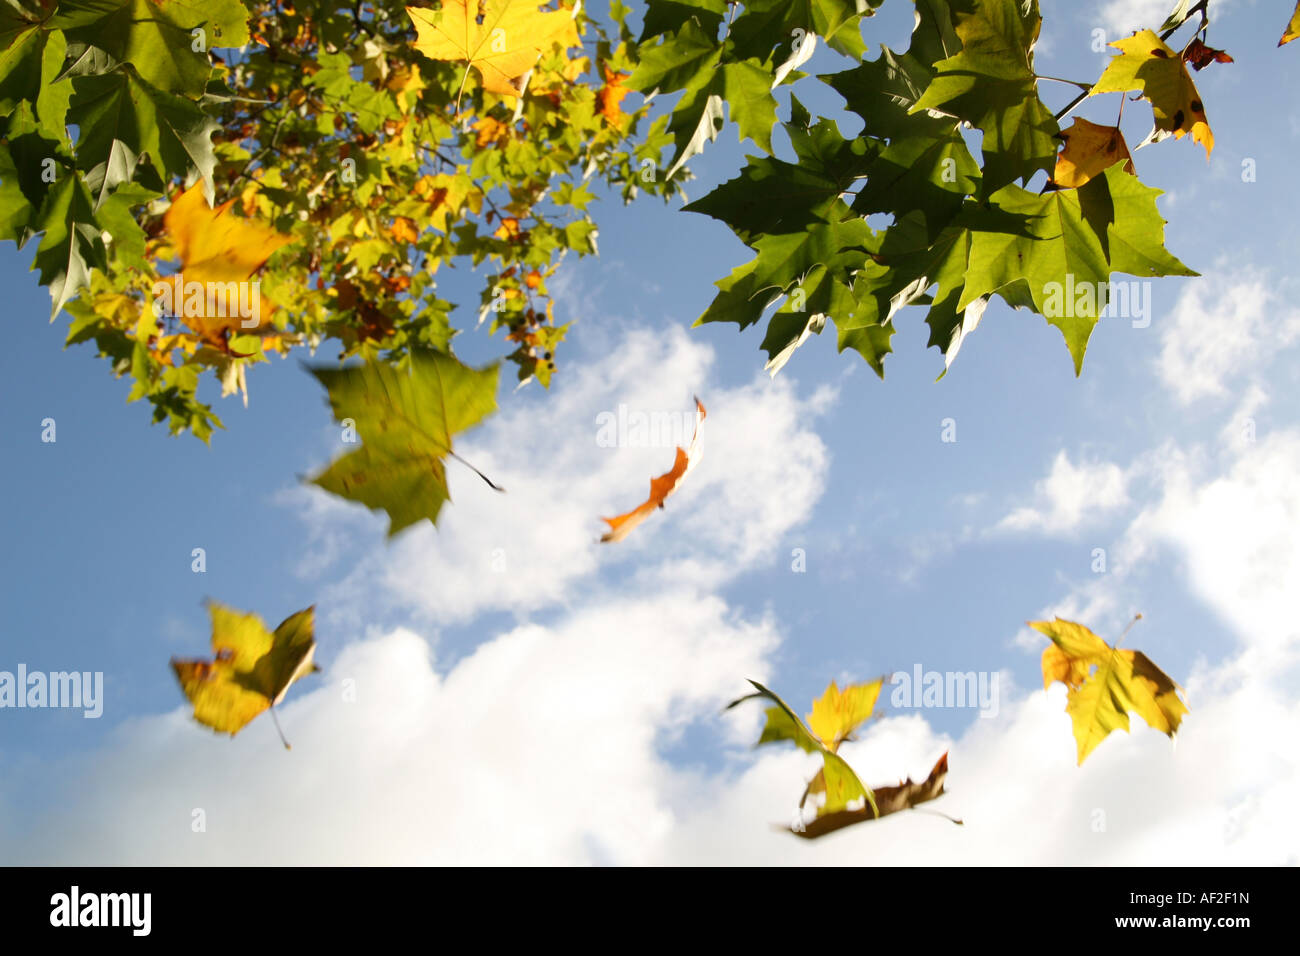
905	264
747	88
783	260
767	24
116	214
926	165
774	196
22	48
789	329
15	210
29	66
870	340
669	16
406	419
72	243
697	119
1110	224
991	84
121	118
158	39
676	61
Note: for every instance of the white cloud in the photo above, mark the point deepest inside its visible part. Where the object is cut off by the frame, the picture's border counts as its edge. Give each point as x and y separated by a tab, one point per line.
1122	17
1236	534
539	747
1069	495
1223	328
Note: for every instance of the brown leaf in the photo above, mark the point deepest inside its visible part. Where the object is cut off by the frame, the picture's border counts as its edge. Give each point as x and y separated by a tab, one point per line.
889	800
1200	56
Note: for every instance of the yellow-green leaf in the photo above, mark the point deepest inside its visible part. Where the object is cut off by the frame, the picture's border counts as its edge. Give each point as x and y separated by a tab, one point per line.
251	669
1104	684
1147	65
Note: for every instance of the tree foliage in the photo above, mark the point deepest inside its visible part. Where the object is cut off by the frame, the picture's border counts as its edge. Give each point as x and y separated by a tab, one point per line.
382	143
382	160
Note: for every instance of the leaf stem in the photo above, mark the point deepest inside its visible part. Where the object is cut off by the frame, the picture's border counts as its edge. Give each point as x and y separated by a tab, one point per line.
276	721
1057	79
491	484
1136	617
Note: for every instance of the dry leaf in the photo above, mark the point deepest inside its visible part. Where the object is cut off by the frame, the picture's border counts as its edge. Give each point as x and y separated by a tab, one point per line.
661	487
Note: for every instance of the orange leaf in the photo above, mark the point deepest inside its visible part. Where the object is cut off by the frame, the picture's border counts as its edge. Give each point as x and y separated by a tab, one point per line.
404	230
611	95
1089	150
661	487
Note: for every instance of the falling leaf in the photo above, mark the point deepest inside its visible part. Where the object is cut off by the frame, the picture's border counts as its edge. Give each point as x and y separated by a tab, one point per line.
217	246
1147	65
840	784
889	800
1200	56
837	713
661	487
406	418
251	668
1089	150
1292	28
503	47
1105	683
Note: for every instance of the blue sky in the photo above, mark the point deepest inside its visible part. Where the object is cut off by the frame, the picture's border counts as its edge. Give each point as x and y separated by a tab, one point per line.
581	690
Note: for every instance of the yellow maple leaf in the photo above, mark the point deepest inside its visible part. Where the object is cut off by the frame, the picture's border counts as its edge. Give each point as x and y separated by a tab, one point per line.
251	669
503	47
1147	65
219	254
1105	683
1292	30
837	713
1089	150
